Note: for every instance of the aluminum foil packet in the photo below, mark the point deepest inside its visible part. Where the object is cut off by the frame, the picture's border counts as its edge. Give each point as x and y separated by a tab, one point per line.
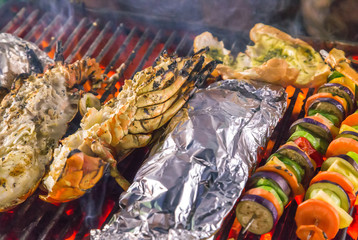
191	182
13	59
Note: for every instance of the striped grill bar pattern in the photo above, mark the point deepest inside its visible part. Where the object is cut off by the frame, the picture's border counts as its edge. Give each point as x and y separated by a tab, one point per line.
128	47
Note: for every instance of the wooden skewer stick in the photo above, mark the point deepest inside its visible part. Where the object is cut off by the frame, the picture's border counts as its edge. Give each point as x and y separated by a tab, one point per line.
243	230
249	224
312	232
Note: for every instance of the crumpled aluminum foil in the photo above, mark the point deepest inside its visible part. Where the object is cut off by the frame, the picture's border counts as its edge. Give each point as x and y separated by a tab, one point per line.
192	181
13	60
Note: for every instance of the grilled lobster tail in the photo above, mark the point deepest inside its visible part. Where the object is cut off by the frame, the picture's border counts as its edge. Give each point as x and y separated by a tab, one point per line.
145	104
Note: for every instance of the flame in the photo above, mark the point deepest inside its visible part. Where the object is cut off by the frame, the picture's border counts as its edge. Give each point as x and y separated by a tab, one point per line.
73	236
299	100
269	147
107	210
299	199
87	86
266	236
44	44
353	228
70	211
235	230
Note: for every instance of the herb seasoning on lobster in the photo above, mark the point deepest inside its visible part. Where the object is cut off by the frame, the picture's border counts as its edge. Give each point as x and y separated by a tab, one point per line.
34	118
145	104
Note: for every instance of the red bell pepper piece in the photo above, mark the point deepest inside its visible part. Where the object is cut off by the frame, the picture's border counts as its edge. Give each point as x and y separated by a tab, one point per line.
306	146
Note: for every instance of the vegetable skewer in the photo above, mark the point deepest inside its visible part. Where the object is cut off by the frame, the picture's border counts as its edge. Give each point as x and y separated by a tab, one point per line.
335	186
296	161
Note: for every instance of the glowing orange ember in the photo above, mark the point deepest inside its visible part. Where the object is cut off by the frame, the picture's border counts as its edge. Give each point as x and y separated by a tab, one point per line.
73	236
299	199
107	210
353	228
266	236
299	100
70	211
235	230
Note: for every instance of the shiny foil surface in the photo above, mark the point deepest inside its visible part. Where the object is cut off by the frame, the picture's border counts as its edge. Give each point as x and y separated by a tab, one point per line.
194	176
13	59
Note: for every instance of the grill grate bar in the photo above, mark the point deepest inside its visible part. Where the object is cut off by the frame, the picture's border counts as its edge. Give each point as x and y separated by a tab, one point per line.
148	52
280	229
31	18
37	27
181	44
191	51
134	52
125	65
16	19
286	119
108	45
77	217
84	39
24	208
73	34
33	225
18	215
60	34
120	50
302	112
47	29
98	40
167	43
53	221
93	206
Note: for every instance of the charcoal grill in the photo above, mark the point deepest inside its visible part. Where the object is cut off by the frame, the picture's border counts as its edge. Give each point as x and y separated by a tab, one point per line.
116	39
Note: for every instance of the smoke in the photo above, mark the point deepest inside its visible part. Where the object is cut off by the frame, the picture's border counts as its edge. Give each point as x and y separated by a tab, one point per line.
331	19
235	15
92	203
57	7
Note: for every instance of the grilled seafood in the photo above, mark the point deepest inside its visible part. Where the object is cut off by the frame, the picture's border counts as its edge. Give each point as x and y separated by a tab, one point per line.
276	57
145	104
34	117
15	60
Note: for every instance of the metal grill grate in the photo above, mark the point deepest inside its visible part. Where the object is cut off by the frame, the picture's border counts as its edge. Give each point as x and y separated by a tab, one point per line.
113	44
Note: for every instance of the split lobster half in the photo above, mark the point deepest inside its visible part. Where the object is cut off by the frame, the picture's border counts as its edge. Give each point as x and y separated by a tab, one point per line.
34	117
145	104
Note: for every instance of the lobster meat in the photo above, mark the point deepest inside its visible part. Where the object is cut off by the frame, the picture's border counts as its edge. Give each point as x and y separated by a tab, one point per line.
124	123
34	117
